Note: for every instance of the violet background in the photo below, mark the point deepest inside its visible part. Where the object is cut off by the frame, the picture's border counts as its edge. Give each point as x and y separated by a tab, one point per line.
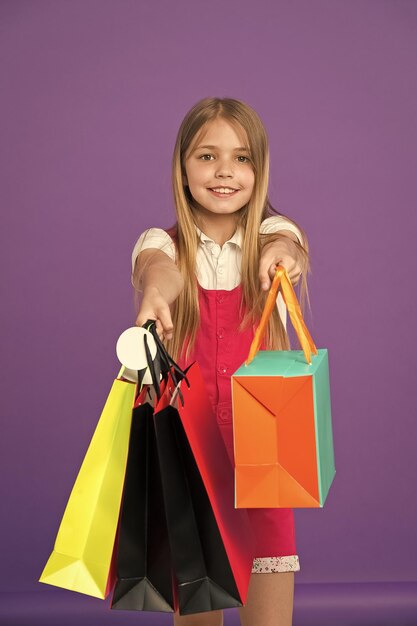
93	95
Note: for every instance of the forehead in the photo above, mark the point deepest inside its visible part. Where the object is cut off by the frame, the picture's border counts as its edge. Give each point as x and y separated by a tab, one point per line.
221	132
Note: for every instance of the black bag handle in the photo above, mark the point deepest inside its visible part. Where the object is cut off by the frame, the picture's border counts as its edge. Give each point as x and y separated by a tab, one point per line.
167	365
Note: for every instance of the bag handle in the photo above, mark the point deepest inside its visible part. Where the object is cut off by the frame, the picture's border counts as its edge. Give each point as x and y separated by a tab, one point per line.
282	279
164	362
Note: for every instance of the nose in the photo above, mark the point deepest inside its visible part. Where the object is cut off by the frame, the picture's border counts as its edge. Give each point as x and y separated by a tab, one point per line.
224	169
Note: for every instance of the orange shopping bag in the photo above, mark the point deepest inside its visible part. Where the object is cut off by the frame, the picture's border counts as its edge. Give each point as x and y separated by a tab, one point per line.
282	427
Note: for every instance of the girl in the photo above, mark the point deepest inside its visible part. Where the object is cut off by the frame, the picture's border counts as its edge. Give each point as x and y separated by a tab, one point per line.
205	281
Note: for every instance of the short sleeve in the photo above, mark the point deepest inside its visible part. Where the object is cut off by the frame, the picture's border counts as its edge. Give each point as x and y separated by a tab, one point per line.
153	238
275	223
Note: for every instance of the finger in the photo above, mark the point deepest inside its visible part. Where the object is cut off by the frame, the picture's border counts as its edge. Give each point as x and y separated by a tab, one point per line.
289	264
159	329
272	271
166	322
293	270
265	272
294	273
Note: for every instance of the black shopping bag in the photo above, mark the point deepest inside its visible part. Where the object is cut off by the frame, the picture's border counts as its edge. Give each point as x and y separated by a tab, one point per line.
204	578
144	579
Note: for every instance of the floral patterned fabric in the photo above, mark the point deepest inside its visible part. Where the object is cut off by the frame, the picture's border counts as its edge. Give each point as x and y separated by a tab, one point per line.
273	564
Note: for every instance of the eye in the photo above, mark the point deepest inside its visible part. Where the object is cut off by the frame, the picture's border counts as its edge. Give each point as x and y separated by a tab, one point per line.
202	157
245	159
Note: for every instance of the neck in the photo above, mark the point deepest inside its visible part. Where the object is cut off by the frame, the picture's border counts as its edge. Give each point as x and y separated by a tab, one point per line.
220	228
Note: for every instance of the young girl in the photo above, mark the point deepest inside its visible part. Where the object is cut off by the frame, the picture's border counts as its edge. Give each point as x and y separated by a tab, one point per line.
205	282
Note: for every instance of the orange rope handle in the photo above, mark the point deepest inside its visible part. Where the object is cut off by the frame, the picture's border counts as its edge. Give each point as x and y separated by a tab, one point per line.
290	299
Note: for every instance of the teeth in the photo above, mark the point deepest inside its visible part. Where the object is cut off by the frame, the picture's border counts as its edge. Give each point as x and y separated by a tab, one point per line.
224	190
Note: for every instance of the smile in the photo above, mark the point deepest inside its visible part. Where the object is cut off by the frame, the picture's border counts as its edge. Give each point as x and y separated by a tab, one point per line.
223	191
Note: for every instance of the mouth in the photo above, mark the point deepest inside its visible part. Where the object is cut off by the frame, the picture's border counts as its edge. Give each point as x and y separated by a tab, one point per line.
223	192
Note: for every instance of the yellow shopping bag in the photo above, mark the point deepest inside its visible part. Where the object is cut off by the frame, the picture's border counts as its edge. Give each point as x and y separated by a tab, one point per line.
83	548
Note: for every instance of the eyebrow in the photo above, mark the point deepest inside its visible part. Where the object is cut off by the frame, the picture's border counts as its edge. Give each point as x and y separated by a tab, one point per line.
241	148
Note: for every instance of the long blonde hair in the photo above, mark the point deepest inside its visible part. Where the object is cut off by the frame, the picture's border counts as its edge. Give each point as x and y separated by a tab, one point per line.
186	317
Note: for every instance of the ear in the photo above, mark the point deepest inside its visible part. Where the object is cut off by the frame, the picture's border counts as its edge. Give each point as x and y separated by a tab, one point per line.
184	180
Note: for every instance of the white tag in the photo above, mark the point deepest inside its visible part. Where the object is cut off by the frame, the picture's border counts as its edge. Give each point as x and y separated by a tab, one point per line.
130	348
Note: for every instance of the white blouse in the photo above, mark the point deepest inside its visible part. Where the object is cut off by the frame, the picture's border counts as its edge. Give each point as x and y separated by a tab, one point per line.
217	267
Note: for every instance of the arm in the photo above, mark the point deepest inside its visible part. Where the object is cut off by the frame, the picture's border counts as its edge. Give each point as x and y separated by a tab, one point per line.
160	280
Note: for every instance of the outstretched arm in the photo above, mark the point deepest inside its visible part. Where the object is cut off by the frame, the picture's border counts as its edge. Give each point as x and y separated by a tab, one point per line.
160	280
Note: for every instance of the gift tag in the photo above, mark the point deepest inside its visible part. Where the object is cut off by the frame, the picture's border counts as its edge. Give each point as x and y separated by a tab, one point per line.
130	348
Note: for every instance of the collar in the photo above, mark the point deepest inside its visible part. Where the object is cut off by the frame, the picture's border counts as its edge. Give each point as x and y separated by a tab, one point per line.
237	237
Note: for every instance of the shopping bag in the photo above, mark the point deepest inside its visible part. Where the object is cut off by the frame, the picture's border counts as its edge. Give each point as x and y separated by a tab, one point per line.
144	579
282	425
216	470
211	544
82	555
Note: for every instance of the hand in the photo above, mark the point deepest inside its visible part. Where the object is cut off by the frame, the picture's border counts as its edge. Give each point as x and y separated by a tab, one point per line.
155	307
282	251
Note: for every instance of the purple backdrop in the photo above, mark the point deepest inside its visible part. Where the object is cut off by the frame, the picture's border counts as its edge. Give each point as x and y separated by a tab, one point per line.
93	94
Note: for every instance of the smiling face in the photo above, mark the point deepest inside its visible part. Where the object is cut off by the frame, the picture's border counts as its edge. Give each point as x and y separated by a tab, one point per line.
219	171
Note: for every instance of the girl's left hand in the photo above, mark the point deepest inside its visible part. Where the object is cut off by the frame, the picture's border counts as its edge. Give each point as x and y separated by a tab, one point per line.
282	251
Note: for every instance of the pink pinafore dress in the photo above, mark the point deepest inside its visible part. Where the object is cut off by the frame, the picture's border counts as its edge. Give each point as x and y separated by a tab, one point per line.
220	349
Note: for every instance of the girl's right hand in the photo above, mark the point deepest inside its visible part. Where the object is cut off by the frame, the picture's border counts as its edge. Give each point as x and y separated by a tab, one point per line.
155	307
